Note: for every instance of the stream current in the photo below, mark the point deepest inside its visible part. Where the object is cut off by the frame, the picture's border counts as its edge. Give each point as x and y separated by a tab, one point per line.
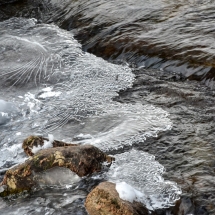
157	123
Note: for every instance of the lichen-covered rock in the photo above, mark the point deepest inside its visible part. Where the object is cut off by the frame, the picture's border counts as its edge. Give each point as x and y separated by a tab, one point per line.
81	159
105	200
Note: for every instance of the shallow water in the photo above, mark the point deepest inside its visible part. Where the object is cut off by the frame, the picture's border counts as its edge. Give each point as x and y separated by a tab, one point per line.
187	150
56	88
169	35
78	104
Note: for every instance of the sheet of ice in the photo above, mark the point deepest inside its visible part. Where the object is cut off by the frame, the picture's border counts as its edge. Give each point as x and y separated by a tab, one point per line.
40	53
58	176
123	125
141	172
85	108
4	117
7	111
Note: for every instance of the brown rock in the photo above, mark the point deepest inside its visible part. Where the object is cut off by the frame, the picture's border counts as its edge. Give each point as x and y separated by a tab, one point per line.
36	141
105	200
81	159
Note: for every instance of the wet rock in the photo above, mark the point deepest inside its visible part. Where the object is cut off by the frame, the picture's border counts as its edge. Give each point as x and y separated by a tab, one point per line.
81	159
105	200
37	141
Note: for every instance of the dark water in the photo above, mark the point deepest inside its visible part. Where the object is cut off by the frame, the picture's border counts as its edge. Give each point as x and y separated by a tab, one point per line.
170	46
170	35
187	150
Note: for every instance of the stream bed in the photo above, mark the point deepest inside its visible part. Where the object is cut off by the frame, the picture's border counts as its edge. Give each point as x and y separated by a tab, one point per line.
134	78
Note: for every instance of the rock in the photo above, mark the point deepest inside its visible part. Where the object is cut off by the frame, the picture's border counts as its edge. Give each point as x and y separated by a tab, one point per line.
37	141
105	200
81	159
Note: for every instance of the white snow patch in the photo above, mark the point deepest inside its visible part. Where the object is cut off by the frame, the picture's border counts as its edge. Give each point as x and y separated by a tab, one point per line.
49	94
4	114
33	103
47	144
47	89
128	193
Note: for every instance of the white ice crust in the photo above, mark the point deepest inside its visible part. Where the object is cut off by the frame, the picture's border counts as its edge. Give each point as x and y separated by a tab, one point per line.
128	193
47	144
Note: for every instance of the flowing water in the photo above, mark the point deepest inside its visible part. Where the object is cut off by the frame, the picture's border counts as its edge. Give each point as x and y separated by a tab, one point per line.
140	106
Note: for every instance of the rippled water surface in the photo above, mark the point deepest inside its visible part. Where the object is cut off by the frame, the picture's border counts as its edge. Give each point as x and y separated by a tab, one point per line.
154	118
170	35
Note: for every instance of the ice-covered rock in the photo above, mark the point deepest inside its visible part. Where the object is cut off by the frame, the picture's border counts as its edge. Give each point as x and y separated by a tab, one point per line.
104	199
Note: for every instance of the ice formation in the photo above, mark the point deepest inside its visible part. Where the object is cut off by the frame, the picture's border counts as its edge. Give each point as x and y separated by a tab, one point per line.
47	144
70	94
128	193
7	110
141	176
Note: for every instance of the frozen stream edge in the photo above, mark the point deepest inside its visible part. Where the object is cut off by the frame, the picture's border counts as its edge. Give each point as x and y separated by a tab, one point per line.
77	93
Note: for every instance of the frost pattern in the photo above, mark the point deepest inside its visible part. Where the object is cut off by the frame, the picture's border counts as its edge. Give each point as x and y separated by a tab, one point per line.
141	171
